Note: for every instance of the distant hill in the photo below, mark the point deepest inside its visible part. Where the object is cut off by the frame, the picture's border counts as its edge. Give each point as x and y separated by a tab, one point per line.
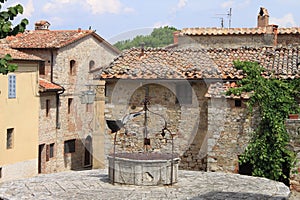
158	38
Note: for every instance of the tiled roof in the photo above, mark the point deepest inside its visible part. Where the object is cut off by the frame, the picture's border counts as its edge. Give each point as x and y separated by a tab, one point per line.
235	31
282	61
46	85
199	64
15	54
161	64
219	89
47	38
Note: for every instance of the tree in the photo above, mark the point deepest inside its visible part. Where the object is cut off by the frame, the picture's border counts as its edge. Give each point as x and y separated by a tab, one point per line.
268	151
8	29
158	38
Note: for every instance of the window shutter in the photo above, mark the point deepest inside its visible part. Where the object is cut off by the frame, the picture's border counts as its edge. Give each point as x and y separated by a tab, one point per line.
11	86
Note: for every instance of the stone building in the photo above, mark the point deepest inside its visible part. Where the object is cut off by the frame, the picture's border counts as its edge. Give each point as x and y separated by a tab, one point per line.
186	83
19	116
66	116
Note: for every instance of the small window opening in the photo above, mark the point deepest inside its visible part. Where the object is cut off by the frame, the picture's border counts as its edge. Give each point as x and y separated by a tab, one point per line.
9	138
42	69
69	146
92	65
238	103
72	67
47	107
70	104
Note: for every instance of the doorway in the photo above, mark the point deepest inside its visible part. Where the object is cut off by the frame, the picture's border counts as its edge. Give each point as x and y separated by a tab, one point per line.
88	152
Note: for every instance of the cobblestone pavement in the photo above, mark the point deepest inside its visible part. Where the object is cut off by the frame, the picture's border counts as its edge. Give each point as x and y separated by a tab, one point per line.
94	184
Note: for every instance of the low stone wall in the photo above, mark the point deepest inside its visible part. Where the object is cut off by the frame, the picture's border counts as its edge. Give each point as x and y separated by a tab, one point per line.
293	127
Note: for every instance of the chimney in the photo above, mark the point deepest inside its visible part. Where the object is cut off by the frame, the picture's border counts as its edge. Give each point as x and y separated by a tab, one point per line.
175	36
142	49
263	18
42	25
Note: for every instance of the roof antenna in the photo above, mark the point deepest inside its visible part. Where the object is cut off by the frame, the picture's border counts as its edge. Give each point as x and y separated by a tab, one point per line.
229	14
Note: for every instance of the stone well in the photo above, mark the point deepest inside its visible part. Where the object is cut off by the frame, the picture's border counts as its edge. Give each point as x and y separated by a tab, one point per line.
143	168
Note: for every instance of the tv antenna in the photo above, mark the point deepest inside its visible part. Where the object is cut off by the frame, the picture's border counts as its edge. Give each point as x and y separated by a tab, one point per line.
229	14
221	21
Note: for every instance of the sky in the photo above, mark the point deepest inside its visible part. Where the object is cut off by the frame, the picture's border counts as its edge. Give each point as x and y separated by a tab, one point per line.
123	19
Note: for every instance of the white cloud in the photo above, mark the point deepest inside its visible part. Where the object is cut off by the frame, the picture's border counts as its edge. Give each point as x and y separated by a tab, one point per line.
286	21
111	6
181	4
28	9
227	4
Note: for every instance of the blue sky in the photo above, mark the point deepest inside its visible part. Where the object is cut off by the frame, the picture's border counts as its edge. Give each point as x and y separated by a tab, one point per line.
120	19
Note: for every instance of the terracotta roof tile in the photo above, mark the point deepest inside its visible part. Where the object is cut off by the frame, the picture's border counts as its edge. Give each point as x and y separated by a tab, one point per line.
47	38
219	89
283	62
46	85
235	31
161	64
15	54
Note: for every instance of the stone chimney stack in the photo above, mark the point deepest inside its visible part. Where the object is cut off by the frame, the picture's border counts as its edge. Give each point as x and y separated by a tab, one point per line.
263	18
42	25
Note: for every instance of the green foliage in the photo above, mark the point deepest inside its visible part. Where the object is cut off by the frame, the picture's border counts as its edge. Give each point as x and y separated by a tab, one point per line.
268	150
158	38
7	29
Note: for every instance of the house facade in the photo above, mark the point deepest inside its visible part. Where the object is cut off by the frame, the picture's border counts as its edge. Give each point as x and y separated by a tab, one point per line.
19	100
66	118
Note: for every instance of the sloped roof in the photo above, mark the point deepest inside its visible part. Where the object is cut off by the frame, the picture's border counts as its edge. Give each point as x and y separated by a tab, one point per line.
199	64
283	62
161	64
17	55
235	31
44	39
46	85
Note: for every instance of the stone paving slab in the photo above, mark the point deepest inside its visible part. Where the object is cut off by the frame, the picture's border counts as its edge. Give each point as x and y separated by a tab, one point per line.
94	184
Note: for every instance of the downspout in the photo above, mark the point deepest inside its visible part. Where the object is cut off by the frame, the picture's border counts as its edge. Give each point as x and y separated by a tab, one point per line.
57	93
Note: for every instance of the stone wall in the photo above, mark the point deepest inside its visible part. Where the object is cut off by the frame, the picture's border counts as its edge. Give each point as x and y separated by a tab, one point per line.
236	41
188	121
293	127
76	118
228	134
221	41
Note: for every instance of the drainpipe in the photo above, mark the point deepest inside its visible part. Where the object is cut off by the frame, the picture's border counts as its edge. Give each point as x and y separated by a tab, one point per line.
58	93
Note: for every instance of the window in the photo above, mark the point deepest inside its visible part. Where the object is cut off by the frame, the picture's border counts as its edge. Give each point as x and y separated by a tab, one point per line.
11	86
48	105
49	151
70	104
9	138
0	172
42	69
184	93
69	146
72	67
238	103
92	65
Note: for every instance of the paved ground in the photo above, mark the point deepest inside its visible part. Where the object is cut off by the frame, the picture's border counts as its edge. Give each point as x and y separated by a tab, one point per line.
94	184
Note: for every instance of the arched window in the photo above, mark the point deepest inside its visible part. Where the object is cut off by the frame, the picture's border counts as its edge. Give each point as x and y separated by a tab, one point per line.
72	67
92	65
